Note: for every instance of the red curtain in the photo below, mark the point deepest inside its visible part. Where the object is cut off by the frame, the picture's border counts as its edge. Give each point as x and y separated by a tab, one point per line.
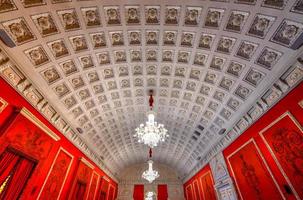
138	192
162	192
7	161
15	170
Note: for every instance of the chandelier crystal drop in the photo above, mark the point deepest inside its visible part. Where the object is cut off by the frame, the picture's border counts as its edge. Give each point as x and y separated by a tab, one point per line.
152	133
150	175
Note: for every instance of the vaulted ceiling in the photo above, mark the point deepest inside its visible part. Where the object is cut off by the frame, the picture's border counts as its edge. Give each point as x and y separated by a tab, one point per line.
207	62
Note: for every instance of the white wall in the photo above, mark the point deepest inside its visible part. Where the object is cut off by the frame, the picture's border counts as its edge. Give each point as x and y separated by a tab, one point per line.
132	175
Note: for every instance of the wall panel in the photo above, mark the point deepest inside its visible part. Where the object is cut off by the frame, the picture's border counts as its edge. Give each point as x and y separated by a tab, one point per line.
266	160
23	128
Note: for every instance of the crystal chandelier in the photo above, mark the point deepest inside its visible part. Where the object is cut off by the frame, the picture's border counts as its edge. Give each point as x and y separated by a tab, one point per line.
150	175
152	133
149	196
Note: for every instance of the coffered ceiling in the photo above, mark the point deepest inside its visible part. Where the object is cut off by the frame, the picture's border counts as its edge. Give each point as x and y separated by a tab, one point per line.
207	62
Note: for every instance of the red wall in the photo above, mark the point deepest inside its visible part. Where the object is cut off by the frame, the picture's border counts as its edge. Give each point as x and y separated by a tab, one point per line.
18	132
200	186
266	161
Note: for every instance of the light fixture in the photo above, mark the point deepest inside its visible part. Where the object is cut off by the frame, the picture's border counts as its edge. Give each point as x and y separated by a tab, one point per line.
149	196
150	175
152	133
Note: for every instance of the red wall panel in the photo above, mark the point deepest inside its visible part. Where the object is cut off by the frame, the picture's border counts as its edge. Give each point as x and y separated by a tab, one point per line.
57	176
276	152
200	186
94	186
252	175
284	139
189	195
208	189
18	132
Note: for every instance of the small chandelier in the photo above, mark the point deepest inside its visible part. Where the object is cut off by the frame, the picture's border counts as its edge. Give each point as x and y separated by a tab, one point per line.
149	196
150	175
152	133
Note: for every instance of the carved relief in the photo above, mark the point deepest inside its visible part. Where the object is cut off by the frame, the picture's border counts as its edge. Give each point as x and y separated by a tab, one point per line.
206	40
91	16
254	77
172	15
268	57
98	39
135	55
116	38
6	6
37	56
92	77
50	75
187	39
18	31
192	15
287	33
242	92
151	55
195	74
132	14
167	55
183	56
45	24
69	102
235	68
69	19
103	58
84	94
210	78
58	48
78	42
61	90
120	56
134	37
77	82
112	15
214	17
261	25
200	59
226	44
169	37
233	104
236	21
226	83
152	14
217	63
246	50
86	62
68	67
